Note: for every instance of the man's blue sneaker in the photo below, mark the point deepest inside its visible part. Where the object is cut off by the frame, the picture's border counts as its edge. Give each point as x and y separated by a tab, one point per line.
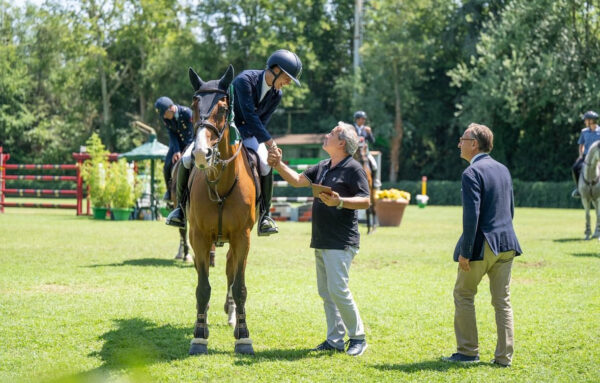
461	358
357	347
325	346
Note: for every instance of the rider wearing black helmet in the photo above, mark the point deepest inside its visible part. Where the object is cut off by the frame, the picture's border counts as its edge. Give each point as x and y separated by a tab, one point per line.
257	95
178	122
589	135
365	134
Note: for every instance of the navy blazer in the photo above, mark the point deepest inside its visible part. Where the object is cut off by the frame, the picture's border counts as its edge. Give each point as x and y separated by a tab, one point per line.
181	130
251	116
488	210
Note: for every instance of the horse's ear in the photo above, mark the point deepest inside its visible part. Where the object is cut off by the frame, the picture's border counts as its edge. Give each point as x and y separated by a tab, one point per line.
225	81
195	79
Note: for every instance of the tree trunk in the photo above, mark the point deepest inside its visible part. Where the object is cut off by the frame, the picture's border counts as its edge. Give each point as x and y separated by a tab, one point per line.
105	106
398	130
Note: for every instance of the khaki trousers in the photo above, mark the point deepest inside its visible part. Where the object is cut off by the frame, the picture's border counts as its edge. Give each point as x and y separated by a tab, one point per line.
498	268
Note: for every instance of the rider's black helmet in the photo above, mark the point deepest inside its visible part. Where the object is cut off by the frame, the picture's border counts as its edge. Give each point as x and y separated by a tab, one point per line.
360	114
590	114
287	62
162	104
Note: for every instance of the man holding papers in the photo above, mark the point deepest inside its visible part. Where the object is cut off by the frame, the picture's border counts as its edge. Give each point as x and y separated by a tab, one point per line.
341	187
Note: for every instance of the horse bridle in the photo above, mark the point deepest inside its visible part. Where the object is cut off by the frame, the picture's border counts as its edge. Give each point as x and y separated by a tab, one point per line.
214	156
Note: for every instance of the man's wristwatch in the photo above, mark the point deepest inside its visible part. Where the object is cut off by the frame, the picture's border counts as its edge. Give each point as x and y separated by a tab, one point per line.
340	206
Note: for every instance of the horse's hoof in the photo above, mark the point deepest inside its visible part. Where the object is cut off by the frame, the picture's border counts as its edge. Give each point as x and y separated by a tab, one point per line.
179	256
188	259
199	346
243	346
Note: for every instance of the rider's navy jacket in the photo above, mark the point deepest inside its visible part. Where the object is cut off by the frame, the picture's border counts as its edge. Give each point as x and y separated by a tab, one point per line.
362	132
252	116
181	129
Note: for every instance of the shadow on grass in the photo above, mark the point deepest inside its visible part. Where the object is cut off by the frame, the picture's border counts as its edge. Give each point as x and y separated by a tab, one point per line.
563	240
278	354
431	365
152	262
593	255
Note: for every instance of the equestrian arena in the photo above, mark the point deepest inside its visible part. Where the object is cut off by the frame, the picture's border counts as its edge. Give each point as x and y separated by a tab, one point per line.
85	300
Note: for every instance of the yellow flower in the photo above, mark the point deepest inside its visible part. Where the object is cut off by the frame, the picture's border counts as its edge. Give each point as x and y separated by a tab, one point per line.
393	194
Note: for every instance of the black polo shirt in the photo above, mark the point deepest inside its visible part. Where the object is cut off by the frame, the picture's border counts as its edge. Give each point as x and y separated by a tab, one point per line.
333	228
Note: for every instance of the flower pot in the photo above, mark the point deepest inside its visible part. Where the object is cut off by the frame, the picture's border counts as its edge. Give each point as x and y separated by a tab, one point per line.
121	214
390	212
99	212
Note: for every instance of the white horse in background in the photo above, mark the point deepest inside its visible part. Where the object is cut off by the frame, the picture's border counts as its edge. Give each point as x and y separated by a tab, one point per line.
589	188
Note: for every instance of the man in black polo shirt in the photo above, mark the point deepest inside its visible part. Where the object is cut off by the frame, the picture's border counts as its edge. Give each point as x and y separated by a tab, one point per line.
335	235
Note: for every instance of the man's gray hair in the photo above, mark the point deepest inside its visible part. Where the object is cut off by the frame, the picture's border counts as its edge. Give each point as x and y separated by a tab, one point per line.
349	135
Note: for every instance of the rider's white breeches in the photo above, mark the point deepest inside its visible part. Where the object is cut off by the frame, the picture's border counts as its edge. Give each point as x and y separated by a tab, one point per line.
187	158
263	153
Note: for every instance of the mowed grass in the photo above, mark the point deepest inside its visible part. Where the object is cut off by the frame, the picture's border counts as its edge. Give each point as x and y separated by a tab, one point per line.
86	300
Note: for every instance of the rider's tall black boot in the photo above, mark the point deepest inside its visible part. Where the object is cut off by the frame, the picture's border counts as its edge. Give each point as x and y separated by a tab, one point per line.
167	175
266	225
177	216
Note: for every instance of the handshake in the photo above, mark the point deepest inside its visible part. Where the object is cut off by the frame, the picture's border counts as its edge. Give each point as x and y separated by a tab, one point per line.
275	155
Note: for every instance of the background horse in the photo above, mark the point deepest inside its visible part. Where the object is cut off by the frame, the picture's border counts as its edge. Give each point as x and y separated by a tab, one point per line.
221	206
589	188
183	252
361	155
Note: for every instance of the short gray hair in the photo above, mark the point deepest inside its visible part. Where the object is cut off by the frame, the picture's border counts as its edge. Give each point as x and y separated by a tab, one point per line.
483	135
349	135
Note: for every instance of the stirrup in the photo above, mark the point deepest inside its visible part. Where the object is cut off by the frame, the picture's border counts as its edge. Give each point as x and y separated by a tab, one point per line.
176	218
267	227
575	194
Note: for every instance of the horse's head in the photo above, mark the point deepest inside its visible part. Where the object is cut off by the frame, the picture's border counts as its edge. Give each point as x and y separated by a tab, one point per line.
210	108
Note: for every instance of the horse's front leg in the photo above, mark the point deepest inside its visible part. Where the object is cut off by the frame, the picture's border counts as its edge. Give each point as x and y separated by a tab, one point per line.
597	208
239	247
586	206
203	289
229	306
184	248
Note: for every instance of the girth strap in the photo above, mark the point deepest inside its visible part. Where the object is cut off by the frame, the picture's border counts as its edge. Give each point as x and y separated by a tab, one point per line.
219	242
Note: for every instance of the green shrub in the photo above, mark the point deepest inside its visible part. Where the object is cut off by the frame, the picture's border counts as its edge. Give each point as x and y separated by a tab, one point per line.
94	171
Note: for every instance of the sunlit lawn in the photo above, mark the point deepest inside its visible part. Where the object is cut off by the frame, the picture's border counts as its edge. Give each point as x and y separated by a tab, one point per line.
83	299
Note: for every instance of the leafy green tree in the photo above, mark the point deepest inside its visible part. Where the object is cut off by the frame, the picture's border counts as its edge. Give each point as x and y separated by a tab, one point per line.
535	73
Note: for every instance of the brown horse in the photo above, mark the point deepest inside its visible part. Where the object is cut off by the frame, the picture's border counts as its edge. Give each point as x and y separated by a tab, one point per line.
361	155
221	205
183	252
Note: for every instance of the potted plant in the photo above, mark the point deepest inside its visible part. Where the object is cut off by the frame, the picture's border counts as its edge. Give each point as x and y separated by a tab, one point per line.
120	187
390	205
94	174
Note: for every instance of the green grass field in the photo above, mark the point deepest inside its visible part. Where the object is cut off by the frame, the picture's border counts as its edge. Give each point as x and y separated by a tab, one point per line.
85	300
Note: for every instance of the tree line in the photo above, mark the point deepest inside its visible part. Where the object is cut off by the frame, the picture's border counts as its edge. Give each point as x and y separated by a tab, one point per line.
526	68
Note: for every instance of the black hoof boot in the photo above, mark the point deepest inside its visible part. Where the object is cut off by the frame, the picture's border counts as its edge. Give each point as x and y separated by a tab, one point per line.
243	346
199	346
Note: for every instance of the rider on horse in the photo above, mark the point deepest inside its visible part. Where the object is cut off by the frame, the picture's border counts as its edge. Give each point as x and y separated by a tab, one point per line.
178	121
589	135
257	93
365	135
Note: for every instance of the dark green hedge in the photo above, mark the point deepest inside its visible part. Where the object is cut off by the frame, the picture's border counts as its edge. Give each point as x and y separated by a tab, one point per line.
527	194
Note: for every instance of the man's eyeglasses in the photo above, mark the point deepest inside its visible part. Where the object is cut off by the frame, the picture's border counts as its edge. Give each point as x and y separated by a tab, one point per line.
461	139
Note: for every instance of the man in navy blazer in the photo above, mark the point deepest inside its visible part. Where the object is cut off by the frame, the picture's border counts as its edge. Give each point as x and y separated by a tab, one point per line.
487	245
257	95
